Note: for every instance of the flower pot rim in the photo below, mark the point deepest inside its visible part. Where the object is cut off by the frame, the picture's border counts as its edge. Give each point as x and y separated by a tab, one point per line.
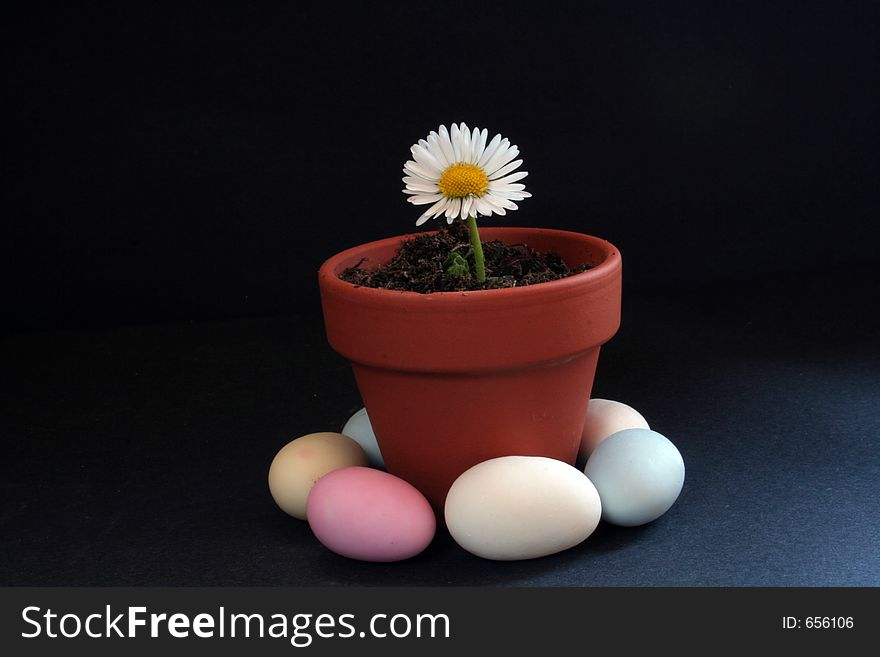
597	275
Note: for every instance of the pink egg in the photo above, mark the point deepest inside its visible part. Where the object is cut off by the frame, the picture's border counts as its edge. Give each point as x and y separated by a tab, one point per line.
370	515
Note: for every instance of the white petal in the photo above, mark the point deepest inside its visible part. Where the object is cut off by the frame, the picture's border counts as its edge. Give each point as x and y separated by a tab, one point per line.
480	145
427	188
507	168
435	150
479	207
466	206
453	208
455	137
483	206
417	169
491	200
441	207
456	207
500	158
475	145
519	175
435	209
496	143
424	157
446	145
495	203
416	180
503	202
513	196
419	185
497	186
465	143
424	199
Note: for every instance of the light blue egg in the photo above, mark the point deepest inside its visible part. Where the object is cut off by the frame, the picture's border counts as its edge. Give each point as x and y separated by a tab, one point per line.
639	474
360	430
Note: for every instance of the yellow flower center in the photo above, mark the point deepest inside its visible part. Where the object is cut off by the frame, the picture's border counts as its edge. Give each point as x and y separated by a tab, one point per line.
462	179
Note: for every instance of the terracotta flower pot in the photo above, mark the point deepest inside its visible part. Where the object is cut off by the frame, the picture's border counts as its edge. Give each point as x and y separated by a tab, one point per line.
451	379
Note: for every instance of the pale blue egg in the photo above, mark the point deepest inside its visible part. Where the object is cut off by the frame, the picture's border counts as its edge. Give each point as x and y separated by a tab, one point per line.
639	474
360	430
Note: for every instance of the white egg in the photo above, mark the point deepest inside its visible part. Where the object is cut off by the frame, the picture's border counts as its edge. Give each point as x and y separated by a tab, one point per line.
360	430
639	474
605	417
521	507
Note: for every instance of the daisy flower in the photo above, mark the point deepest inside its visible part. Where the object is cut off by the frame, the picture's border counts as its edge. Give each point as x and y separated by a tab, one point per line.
462	176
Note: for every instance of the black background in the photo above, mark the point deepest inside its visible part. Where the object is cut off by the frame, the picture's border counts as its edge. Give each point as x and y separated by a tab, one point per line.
188	162
175	174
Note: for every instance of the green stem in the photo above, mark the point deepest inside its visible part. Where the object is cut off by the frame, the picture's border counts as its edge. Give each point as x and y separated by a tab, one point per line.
477	246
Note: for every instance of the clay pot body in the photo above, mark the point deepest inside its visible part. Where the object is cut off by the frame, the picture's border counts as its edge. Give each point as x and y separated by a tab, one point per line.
452	379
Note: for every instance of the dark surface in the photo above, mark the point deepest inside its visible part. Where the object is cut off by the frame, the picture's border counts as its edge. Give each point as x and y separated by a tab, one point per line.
139	455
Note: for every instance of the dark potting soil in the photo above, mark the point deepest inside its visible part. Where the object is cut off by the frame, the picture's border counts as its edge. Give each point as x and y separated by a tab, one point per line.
422	263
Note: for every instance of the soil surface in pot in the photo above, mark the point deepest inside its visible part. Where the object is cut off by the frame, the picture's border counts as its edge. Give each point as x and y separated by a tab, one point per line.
422	264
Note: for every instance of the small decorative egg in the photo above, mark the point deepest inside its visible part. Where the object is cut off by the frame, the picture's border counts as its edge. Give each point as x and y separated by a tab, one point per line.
605	417
370	515
521	507
359	428
301	462
639	474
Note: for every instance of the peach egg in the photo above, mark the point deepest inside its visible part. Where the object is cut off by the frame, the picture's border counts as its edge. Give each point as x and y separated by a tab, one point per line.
301	462
605	417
